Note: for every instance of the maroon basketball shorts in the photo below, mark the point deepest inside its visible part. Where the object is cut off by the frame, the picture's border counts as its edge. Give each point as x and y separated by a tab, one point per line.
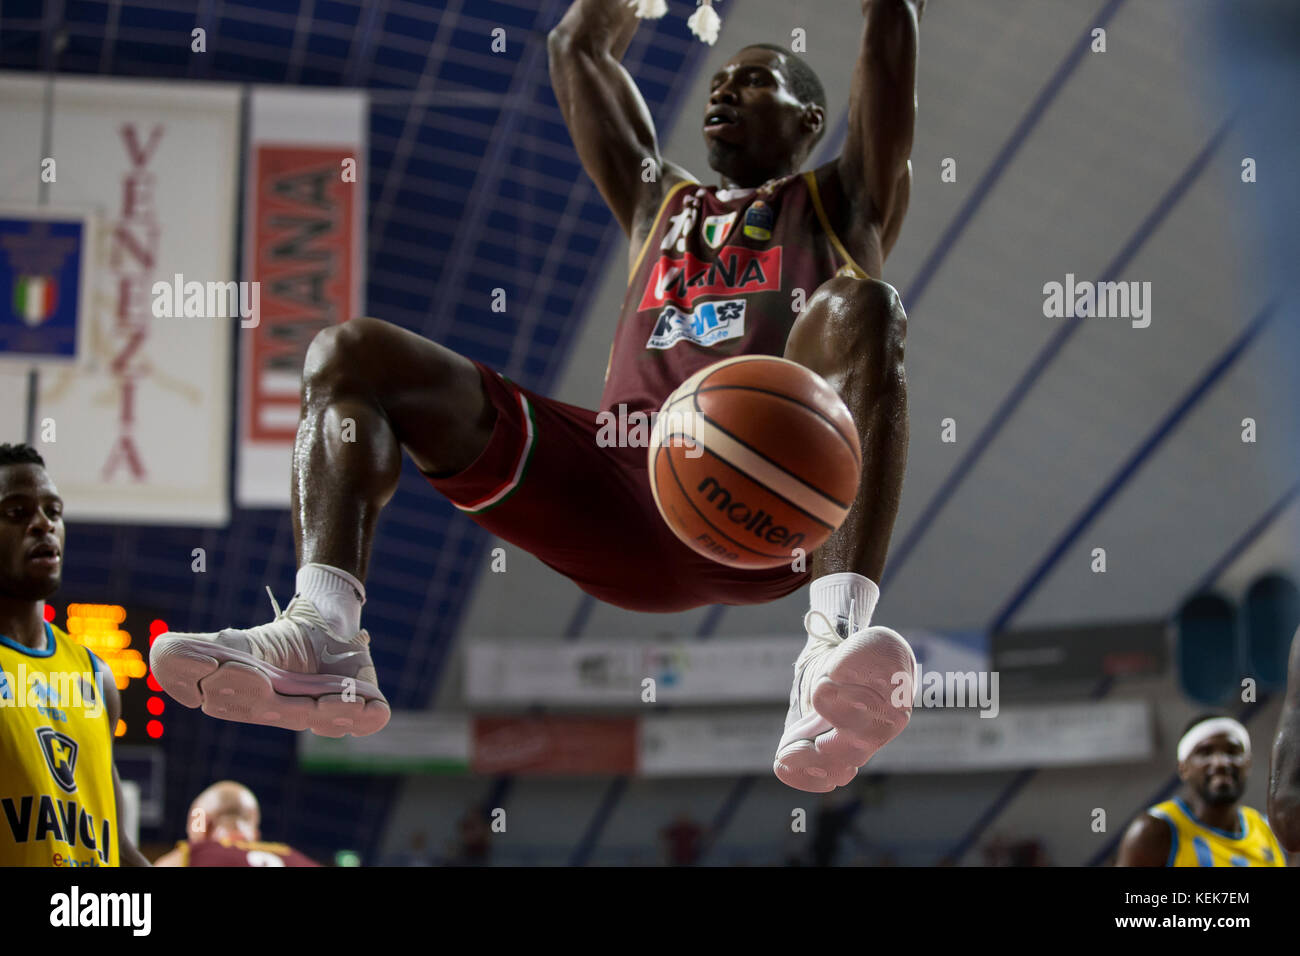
544	484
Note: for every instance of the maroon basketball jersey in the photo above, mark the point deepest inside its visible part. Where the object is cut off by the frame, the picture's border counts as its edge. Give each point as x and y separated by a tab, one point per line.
716	278
241	853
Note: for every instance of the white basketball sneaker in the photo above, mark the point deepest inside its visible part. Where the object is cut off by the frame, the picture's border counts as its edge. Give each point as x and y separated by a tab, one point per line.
851	696
294	673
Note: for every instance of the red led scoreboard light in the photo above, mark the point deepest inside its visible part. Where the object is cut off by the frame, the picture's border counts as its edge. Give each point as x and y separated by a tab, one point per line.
117	636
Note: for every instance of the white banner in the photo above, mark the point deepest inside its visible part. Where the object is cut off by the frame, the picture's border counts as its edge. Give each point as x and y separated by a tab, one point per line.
138	429
304	242
936	741
718	671
612	672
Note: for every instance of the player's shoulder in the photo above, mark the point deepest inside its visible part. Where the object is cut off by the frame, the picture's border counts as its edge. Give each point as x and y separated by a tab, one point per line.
1255	819
1160	821
828	182
66	642
1149	839
63	640
1167	810
671	180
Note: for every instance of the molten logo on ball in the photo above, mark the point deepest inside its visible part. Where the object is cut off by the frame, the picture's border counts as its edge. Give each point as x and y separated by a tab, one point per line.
758	523
776	462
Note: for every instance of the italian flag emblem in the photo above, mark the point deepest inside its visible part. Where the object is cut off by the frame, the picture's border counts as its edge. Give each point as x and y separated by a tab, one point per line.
716	229
35	298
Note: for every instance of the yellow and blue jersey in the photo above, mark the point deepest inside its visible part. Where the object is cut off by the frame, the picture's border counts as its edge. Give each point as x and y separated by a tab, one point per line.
57	806
1195	844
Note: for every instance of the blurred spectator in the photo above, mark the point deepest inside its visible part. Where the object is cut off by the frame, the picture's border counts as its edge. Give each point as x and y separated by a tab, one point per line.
474	839
417	852
1014	851
796	849
834	819
683	840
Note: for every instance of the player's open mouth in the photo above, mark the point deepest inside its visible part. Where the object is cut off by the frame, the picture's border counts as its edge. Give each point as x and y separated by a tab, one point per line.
44	555
721	117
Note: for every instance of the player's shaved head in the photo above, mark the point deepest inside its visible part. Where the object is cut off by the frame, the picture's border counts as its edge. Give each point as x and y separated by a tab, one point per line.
225	809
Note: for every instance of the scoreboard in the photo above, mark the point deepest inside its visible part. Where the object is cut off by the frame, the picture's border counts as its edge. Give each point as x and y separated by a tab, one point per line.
120	636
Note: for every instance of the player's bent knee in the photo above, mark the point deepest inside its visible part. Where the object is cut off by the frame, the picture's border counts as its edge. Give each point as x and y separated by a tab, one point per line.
849	320
872	318
342	353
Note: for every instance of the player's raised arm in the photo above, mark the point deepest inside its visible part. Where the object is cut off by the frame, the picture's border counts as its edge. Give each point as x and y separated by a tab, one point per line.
606	115
874	166
1284	776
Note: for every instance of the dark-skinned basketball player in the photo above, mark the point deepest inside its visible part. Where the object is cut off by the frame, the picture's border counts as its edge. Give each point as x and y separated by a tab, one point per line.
59	789
1209	827
530	470
1284	772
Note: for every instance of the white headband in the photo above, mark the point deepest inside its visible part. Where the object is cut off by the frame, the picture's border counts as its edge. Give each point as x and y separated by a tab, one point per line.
1209	728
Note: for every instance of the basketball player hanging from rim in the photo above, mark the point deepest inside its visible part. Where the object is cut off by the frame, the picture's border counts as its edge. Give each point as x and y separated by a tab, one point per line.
530	470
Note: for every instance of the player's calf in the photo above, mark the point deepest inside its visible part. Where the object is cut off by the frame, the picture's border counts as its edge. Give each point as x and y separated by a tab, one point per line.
370	390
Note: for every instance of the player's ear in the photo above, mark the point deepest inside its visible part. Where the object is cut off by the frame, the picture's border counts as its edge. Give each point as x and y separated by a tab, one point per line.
814	118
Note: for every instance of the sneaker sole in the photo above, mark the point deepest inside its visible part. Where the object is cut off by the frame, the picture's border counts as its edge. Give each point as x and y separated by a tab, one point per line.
802	766
229	685
857	695
855	698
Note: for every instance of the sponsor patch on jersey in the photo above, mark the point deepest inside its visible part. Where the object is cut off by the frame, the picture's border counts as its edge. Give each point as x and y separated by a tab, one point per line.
758	221
735	271
709	324
60	755
716	229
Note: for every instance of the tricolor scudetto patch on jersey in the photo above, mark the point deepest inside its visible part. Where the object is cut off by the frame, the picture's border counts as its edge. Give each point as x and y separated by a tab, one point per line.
717	228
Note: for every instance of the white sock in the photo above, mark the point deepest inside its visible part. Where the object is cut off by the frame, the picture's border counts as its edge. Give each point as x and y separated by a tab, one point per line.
337	595
839	595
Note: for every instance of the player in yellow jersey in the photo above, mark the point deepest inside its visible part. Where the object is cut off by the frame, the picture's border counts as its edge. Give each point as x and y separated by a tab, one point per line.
59	791
1210	827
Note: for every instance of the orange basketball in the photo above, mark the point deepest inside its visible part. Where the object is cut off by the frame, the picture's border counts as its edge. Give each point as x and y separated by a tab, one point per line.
753	458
